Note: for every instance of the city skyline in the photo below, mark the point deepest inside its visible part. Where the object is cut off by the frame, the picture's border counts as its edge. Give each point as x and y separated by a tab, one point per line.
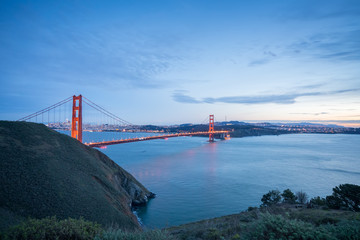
172	62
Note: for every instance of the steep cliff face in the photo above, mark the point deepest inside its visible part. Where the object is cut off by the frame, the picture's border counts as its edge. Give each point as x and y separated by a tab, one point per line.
45	173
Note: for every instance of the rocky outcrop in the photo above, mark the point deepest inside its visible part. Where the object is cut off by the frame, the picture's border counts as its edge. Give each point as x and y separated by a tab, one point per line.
45	173
121	179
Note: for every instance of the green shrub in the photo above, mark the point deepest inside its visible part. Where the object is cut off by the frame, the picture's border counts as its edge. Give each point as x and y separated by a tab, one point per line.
236	237
113	234
52	228
318	201
272	197
251	209
278	227
213	234
345	230
288	196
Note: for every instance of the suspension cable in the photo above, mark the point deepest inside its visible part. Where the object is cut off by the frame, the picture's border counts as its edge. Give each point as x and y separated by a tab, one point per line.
45	109
107	113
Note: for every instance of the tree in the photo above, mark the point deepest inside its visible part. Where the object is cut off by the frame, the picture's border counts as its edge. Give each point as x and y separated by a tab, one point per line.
345	196
288	196
302	197
318	201
272	197
333	202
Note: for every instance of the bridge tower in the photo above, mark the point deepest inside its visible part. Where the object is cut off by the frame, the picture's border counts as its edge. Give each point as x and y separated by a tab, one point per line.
76	121
211	128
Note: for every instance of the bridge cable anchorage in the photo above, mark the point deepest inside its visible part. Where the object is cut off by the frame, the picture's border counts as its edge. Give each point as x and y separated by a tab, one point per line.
46	109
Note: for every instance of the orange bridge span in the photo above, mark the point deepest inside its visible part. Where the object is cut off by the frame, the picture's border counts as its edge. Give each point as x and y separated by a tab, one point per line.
106	143
77	123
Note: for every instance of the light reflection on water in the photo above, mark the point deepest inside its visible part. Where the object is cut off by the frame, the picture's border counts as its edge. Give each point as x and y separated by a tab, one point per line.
194	179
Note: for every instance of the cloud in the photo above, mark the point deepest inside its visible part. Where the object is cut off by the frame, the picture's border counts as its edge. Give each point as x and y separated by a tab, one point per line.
345	109
312	86
259	62
280	99
179	96
268	56
270	53
314	114
341	46
287	98
101	55
316	12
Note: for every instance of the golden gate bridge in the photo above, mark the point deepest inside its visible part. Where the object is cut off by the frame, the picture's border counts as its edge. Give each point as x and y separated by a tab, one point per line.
60	120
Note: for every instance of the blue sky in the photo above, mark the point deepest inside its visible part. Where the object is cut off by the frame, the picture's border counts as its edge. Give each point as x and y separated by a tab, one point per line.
168	62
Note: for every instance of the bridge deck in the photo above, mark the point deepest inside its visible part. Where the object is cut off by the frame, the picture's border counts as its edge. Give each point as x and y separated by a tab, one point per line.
105	143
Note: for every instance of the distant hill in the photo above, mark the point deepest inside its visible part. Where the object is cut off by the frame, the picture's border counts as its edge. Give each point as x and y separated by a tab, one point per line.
236	130
241	129
45	173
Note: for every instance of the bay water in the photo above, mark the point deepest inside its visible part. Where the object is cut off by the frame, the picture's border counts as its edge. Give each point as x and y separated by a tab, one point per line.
194	179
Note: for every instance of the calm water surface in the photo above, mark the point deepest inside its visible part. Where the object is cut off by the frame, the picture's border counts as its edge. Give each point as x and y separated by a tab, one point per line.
194	179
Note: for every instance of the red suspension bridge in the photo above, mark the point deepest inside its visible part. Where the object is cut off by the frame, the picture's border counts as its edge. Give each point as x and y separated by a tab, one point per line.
61	120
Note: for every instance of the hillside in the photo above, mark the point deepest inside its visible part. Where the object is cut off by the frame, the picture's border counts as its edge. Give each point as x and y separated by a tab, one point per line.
45	173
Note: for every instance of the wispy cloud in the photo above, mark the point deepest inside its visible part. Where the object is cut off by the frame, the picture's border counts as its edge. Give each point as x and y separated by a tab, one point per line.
287	98
311	86
267	57
259	62
314	114
315	12
343	46
343	109
101	55
179	96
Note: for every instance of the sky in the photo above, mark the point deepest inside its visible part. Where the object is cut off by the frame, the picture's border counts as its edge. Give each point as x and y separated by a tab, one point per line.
177	61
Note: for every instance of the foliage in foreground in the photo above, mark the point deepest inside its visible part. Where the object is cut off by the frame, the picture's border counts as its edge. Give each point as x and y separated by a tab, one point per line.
272	197
270	226
301	197
345	196
123	235
52	228
286	221
75	229
279	223
288	196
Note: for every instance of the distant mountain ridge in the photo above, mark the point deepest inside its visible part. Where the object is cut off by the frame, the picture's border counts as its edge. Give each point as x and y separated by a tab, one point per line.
45	173
243	129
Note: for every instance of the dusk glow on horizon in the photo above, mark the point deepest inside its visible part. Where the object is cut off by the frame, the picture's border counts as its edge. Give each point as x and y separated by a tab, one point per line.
173	62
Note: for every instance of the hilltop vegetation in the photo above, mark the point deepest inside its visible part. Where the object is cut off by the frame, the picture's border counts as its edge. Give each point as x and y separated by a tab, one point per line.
284	216
276	222
45	173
